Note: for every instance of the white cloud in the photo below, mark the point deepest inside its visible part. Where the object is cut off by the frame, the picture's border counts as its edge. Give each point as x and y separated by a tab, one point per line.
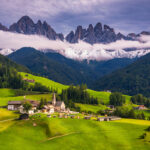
81	50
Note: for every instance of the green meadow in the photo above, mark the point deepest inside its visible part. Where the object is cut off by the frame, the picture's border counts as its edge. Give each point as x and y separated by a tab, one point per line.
40	133
91	108
7	92
44	81
5	114
101	95
72	134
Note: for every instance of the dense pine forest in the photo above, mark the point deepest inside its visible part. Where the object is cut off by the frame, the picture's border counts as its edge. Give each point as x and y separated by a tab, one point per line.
77	94
10	78
130	80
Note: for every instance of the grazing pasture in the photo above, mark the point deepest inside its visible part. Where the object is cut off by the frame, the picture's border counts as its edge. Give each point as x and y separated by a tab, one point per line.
66	134
90	108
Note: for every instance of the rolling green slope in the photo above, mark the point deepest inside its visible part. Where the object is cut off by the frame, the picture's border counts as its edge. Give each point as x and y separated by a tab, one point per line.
101	95
7	93
44	81
90	108
66	134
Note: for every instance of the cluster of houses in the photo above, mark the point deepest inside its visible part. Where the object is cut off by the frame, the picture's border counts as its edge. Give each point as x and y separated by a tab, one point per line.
50	107
106	118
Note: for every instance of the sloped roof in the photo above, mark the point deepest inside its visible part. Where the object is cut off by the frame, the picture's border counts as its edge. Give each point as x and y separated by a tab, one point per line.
33	103
14	102
59	103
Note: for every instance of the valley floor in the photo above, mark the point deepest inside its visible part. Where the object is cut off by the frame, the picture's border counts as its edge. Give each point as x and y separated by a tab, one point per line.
72	134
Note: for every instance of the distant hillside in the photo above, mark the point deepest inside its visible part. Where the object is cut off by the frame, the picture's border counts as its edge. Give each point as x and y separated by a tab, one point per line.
64	70
9	77
131	80
9	63
53	66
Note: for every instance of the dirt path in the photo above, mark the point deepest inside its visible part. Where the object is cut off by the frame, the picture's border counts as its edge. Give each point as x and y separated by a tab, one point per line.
59	136
7	120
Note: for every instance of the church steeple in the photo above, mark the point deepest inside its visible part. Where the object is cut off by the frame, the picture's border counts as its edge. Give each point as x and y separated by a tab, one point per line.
54	99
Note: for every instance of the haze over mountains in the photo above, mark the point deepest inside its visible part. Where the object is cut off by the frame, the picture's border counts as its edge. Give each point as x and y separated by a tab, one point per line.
94	43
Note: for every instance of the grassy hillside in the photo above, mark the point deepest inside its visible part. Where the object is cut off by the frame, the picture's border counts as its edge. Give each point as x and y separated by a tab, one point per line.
45	81
5	114
7	92
91	108
66	134
101	95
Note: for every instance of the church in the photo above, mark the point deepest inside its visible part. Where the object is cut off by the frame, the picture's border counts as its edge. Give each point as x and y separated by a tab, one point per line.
58	105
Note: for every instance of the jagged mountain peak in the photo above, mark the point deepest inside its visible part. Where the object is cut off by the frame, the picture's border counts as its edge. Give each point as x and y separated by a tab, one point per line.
2	27
39	22
98	27
25	18
26	25
108	28
92	34
96	34
145	33
90	27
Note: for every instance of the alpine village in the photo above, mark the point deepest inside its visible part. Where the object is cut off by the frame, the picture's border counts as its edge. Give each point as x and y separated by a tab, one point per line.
70	82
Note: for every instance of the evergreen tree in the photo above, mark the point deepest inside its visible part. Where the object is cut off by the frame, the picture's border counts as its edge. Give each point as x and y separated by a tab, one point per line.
116	99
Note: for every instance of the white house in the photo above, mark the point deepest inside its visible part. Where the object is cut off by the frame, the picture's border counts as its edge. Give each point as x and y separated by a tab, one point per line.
14	105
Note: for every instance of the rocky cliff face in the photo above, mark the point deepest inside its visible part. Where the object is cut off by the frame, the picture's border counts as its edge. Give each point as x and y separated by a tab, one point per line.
92	35
3	27
26	26
97	34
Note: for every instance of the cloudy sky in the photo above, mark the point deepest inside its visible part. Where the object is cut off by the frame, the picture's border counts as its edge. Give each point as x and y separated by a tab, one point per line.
64	15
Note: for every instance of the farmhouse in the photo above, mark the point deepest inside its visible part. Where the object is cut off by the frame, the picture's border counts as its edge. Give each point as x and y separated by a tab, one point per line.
111	107
100	119
18	105
32	110
140	107
87	117
14	105
110	118
28	80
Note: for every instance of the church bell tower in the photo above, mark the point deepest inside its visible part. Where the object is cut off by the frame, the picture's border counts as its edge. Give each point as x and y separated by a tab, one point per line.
54	99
